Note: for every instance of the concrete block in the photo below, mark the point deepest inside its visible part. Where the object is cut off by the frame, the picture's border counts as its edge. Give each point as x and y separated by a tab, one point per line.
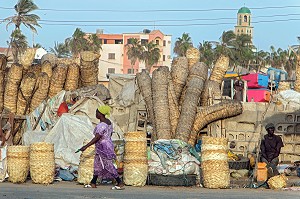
246	147
249	106
252	137
288	148
230	125
235	136
289	117
261	106
290	158
297	118
288	138
246	127
285	128
279	107
247	117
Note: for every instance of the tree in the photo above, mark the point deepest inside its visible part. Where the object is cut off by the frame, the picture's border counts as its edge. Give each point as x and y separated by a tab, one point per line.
60	50
182	44
243	50
134	50
150	55
23	16
18	44
206	53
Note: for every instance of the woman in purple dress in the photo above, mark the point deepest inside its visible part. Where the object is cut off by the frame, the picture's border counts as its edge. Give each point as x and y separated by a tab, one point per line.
103	164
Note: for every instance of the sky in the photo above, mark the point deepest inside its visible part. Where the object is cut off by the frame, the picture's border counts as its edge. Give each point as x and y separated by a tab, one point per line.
276	22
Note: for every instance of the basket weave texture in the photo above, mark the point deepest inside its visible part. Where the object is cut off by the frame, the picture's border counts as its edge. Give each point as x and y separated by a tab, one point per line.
89	62
47	68
72	77
297	81
41	93
160	83
135	159
193	56
58	79
283	86
1	90
17	163
27	57
173	107
42	162
49	57
211	89
194	87
220	68
179	74
86	165
214	163
278	182
25	92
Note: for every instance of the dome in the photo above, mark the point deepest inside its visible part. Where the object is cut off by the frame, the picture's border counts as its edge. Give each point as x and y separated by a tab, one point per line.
244	10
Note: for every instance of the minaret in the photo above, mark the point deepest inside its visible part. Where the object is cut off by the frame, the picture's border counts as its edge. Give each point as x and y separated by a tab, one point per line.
243	25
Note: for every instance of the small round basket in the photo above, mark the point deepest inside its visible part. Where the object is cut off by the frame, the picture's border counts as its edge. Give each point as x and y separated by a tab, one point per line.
277	182
42	162
17	163
214	164
86	165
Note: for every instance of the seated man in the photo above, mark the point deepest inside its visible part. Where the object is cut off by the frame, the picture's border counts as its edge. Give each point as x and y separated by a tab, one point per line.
270	150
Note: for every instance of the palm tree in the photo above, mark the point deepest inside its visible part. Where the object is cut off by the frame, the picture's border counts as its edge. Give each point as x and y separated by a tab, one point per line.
182	44
23	16
60	50
18	44
243	50
206	53
134	50
226	44
150	55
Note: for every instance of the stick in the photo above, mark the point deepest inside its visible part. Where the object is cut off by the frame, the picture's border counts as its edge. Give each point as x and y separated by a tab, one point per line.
39	118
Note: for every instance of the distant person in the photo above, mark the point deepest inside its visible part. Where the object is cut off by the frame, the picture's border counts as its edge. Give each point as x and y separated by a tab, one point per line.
105	154
270	150
238	88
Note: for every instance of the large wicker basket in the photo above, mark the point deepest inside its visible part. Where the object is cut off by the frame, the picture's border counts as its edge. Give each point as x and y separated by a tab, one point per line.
17	163
41	93
219	70
86	165
135	172
58	79
47	68
214	164
27	58
1	90
193	56
72	78
42	163
277	182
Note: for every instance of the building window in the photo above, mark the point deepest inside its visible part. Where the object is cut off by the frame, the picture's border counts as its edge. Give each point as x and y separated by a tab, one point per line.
164	43
238	30
144	41
250	31
130	71
169	42
111	70
111	56
245	18
118	41
157	42
249	20
105	41
242	31
164	57
240	22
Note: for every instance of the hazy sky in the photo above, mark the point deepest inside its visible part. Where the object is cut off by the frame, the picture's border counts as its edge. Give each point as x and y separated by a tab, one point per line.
276	22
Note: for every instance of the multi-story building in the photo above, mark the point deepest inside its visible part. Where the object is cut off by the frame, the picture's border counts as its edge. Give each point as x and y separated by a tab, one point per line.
244	22
114	57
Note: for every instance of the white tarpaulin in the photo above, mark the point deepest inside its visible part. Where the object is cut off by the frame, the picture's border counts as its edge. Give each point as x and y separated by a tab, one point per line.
68	135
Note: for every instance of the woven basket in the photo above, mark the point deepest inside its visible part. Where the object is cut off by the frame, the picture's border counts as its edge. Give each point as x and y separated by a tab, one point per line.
27	58
17	163
194	87
86	165
36	69
135	135
144	83
135	174
1	90
179	74
58	80
173	107
15	73
3	62
211	90
89	64
193	56
42	163
49	57
160	83
206	115
215	168
297	81
47	68
26	88
283	86
41	93
278	182
220	68
72	77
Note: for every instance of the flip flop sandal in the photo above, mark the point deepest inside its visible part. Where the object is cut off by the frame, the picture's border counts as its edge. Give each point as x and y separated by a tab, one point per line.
117	188
87	186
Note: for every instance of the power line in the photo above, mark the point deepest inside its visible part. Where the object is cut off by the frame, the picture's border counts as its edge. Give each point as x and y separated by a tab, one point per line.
159	10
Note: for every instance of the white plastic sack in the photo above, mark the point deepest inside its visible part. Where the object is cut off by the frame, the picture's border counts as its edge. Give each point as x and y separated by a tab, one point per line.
30	137
68	135
289	96
127	94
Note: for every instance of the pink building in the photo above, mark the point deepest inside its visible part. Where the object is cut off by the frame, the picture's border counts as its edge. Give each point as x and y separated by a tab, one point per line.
114	57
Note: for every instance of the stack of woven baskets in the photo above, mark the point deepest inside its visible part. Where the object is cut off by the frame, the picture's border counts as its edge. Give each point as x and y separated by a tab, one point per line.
86	165
11	89
41	92
17	163
135	159
277	182
42	163
89	68
27	58
58	80
72	78
214	164
47	68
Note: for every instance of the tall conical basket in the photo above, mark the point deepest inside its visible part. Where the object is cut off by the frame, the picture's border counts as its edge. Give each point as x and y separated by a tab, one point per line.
86	165
17	163
42	162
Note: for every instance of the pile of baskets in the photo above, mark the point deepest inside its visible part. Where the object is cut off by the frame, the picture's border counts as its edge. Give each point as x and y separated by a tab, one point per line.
38	158
135	159
86	165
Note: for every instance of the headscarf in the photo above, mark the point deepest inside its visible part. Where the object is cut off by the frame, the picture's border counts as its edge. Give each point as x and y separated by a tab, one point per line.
105	110
269	125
